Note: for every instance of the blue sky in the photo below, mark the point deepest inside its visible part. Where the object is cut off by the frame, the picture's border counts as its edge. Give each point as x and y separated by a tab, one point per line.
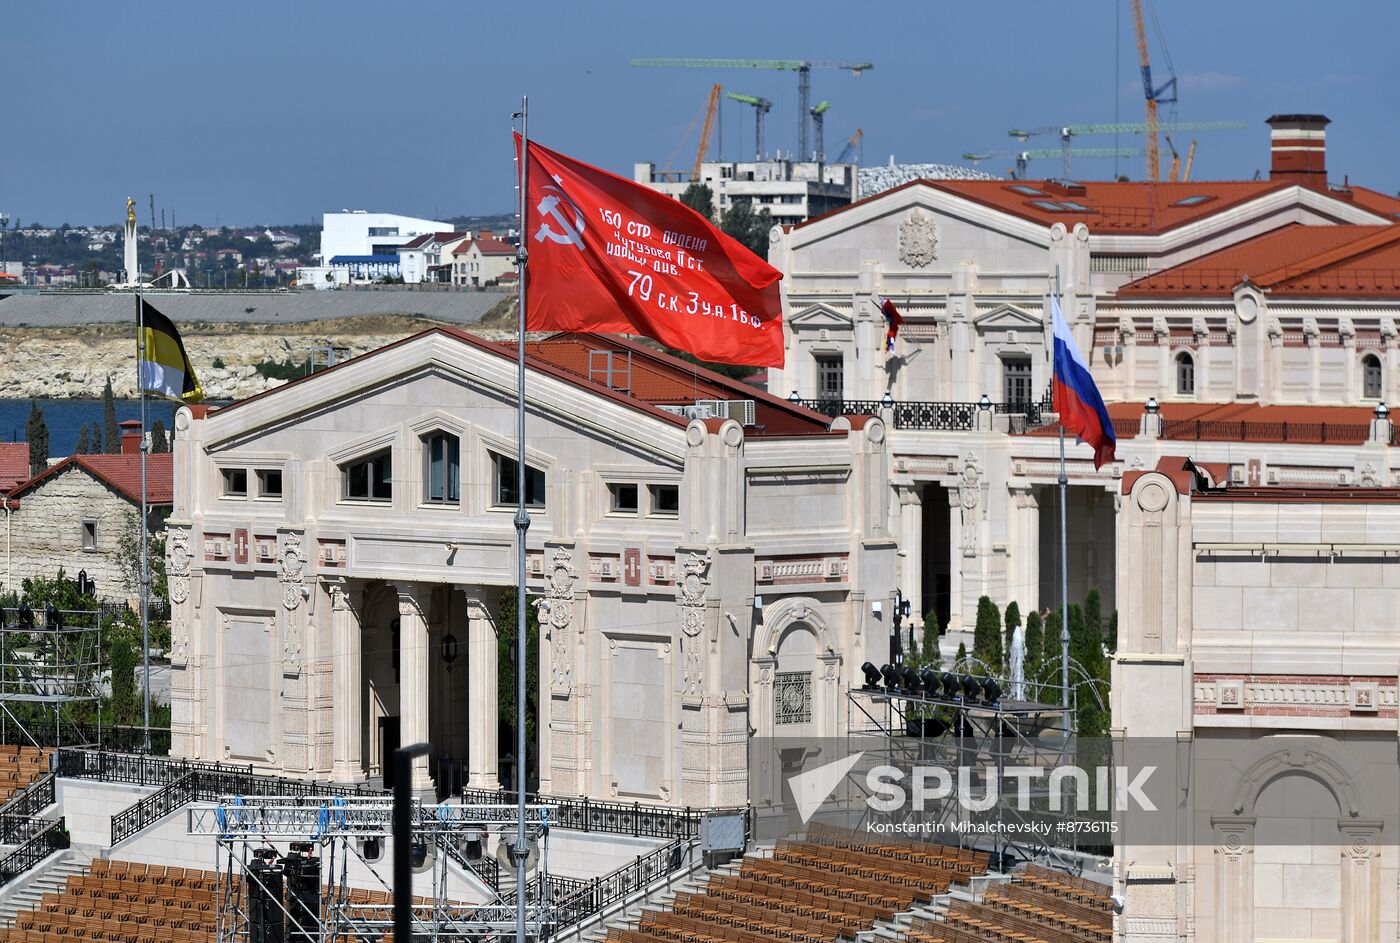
275	112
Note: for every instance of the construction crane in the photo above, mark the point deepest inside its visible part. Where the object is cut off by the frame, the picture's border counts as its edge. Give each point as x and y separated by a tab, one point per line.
803	68
1068	132
818	121
849	150
1155	95
761	107
705	130
1023	158
1174	173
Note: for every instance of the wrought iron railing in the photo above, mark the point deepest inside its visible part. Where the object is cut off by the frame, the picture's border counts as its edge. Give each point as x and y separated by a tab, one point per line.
183	781
155	807
573	905
118	738
51	837
19	817
616	818
925	415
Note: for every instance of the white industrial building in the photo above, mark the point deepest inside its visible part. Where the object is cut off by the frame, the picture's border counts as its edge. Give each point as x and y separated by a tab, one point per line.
357	246
792	191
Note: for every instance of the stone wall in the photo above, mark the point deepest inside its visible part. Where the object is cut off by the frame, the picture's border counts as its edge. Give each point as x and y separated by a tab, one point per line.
46	532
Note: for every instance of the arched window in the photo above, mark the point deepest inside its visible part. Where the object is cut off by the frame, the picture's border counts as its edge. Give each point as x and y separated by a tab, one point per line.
1371	377
1185	375
792	675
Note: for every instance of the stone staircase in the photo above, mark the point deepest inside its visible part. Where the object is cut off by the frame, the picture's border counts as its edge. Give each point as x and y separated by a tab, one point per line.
630	916
31	888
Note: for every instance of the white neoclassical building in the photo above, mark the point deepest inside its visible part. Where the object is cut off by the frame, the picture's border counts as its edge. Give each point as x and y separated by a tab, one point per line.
1259	315
709	562
1260	639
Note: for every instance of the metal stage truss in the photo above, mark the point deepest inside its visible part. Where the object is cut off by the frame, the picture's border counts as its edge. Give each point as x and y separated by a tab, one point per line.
50	661
265	843
980	739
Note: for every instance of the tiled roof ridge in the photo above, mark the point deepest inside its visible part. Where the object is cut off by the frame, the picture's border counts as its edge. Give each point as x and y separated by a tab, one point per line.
1365	242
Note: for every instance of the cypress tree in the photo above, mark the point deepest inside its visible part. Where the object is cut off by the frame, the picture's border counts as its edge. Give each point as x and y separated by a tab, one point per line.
961	664
82	444
159	442
36	433
1050	650
112	434
1093	616
1113	632
911	657
1012	618
933	658
1035	645
986	634
95	439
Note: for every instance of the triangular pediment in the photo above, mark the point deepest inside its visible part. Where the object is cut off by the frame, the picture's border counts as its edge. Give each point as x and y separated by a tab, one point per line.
1007	317
820	315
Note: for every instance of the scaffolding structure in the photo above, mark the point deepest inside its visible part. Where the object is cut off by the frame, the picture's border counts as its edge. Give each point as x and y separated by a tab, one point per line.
977	740
50	662
331	833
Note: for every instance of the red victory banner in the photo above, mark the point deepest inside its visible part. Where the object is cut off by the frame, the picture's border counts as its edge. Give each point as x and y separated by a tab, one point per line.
608	254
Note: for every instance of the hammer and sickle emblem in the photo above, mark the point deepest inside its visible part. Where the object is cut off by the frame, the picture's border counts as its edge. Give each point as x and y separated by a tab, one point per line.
571	231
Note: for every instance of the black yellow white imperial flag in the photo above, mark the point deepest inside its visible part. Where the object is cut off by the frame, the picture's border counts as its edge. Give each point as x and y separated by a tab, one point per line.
165	367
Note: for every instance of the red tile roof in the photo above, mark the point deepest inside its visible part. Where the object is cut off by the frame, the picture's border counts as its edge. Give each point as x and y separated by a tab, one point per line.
14	464
418	242
488	246
659	378
1105	206
1296	260
121	473
774	415
1244	422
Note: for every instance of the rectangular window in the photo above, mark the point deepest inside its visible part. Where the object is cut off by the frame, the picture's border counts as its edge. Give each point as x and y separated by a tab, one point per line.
830	377
1016	382
505	471
235	482
622	498
89	535
370	479
792	697
269	483
665	500
444	472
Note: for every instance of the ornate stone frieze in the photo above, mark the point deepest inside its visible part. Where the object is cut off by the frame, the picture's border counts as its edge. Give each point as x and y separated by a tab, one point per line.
918	239
690	600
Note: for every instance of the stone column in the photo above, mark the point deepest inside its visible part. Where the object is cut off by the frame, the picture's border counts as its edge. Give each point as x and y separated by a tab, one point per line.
955	561
1025	549
1234	881
483	750
1361	885
911	577
348	676
414	600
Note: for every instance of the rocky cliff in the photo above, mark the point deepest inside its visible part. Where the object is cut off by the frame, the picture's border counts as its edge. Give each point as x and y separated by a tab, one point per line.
62	362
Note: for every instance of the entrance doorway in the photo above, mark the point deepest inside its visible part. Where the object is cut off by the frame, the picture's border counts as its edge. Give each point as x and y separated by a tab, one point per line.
388	743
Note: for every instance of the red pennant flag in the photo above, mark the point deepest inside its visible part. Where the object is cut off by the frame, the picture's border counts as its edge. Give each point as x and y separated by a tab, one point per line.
608	254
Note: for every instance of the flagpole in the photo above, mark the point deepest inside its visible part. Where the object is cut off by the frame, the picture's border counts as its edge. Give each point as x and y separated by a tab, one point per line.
522	524
145	538
1064	554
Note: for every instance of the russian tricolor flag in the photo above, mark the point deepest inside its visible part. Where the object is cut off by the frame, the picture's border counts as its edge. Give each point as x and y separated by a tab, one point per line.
1076	398
893	320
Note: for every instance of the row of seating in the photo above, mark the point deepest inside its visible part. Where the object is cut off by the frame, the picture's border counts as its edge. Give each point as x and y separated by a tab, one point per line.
20	766
816	891
1026	910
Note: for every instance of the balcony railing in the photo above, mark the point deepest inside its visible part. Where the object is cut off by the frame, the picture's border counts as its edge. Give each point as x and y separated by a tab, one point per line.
932	415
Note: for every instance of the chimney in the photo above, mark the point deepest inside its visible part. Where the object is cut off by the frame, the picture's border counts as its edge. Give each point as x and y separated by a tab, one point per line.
1298	146
131	436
